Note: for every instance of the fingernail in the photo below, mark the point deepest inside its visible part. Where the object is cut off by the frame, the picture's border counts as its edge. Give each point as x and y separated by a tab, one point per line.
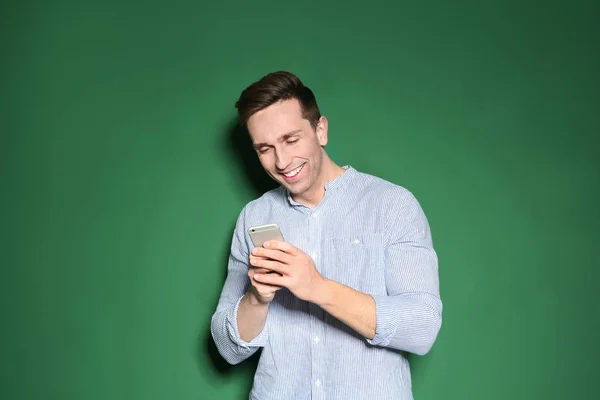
257	277
267	244
255	251
253	261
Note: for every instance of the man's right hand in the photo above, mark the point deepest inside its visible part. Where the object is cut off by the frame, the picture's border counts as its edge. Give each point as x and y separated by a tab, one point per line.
260	292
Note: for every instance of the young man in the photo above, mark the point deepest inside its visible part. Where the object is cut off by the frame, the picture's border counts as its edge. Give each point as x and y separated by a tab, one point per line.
355	284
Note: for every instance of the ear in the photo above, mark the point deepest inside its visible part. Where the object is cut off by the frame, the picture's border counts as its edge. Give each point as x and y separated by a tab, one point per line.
321	131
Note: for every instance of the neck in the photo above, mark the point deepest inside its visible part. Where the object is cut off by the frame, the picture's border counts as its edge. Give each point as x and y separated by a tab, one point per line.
329	172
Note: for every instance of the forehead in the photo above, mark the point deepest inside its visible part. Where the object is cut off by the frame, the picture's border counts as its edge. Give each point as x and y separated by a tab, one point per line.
276	120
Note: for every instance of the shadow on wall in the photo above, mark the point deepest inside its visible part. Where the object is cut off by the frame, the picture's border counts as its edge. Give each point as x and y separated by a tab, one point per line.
238	146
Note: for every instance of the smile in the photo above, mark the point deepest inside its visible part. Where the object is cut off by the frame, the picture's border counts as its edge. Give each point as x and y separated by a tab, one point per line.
294	172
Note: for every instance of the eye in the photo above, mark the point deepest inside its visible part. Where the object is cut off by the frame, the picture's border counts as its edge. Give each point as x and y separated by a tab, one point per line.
262	150
292	141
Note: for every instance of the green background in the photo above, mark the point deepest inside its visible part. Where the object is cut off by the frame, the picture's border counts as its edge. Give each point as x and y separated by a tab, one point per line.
122	177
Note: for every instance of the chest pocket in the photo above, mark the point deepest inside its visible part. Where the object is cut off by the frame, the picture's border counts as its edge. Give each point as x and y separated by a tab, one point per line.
357	261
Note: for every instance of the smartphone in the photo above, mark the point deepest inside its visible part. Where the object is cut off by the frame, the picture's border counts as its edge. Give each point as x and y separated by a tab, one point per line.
263	233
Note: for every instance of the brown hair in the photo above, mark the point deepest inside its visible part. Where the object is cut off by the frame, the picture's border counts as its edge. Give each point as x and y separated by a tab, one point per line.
275	87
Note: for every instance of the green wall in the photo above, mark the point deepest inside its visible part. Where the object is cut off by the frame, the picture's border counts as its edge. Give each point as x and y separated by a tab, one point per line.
122	177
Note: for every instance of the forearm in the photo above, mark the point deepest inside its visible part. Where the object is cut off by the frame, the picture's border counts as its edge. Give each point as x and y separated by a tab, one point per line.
251	316
237	343
403	322
234	347
354	308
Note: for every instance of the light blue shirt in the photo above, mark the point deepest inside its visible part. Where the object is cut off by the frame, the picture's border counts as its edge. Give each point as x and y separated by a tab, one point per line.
368	234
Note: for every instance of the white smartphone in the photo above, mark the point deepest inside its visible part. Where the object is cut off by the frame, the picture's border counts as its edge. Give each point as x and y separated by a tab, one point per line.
263	233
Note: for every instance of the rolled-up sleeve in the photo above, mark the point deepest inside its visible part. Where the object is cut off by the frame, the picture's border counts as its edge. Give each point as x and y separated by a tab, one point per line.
409	316
223	326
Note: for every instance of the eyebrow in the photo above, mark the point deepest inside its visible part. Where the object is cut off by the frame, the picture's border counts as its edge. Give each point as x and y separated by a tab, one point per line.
281	139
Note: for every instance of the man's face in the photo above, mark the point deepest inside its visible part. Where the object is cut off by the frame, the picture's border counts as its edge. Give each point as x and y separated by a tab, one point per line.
288	148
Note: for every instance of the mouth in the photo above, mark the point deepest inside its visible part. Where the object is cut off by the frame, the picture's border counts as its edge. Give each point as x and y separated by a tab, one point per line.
292	175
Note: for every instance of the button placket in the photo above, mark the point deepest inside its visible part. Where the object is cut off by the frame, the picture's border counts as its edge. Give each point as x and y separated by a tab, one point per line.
314	249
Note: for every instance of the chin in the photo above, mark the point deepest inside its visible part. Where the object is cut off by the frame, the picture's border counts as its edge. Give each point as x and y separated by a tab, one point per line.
297	190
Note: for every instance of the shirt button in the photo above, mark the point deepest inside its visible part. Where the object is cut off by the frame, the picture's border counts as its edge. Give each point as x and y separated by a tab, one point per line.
318	382
356	241
314	256
317	340
314	215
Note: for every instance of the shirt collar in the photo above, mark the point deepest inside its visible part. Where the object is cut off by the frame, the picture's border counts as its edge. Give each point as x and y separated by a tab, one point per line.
341	180
331	186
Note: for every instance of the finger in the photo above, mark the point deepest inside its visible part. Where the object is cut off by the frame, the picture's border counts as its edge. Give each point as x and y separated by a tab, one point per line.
271	279
265	291
282	246
276	255
268	264
257	256
260	258
261	287
257	270
253	271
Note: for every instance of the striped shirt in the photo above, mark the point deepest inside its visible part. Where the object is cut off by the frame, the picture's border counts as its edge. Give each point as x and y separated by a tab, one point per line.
368	234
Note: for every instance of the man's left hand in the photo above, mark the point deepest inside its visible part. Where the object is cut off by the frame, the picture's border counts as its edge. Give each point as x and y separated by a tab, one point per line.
297	269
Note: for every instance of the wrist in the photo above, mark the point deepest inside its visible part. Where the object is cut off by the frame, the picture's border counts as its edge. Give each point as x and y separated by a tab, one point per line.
323	292
255	299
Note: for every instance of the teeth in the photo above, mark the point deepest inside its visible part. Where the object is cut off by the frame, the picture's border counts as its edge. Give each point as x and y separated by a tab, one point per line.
294	172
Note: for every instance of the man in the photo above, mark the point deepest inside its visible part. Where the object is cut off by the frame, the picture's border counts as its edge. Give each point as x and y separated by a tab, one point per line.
354	286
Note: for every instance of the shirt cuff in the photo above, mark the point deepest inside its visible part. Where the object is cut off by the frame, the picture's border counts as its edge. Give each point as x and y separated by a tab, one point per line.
385	316
232	329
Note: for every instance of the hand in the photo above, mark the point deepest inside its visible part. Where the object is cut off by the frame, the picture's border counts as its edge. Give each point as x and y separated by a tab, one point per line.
296	269
263	293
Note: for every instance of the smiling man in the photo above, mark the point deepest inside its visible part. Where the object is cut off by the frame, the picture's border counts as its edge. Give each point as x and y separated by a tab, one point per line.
353	288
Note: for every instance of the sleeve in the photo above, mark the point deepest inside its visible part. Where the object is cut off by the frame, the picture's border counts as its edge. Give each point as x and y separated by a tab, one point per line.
409	317
223	325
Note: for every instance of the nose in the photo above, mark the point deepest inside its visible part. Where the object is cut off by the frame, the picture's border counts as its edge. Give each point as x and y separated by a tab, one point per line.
282	159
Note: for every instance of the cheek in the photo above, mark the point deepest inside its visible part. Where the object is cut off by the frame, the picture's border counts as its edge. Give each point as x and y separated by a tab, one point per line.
308	151
313	152
266	160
